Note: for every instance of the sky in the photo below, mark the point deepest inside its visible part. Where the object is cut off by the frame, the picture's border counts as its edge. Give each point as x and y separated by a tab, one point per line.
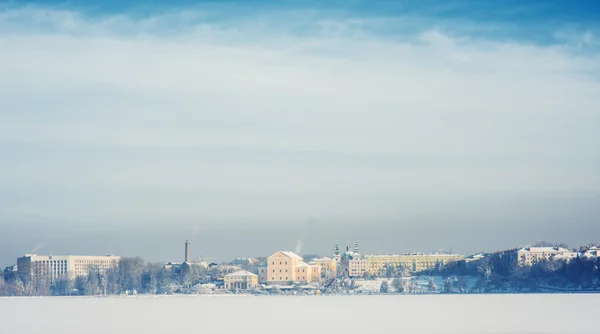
127	127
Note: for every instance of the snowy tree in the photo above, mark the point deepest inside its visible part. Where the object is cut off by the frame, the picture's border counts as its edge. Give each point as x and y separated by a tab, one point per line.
411	287
398	284
150	278
327	274
92	284
3	287
130	274
385	287
393	270
63	286
462	284
448	285
431	285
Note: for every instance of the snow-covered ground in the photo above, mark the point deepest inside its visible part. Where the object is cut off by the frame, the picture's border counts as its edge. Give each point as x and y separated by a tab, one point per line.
423	314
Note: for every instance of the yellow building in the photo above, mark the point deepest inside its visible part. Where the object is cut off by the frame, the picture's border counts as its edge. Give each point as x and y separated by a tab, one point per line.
287	268
241	280
357	267
325	263
414	262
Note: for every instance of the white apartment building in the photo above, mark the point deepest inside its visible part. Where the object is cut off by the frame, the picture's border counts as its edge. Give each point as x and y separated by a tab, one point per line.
592	252
528	256
71	266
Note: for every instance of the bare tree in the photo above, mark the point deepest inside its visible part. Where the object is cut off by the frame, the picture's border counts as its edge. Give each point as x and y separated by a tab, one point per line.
448	285
398	284
92	284
385	287
130	274
3	287
63	286
431	285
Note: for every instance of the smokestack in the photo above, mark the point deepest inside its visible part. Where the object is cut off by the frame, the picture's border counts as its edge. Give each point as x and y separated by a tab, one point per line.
187	251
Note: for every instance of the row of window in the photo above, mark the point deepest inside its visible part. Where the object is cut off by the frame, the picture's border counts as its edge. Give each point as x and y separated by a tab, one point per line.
286	278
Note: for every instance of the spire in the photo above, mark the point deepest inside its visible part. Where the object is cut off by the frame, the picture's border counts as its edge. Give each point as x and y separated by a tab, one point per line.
337	248
356	247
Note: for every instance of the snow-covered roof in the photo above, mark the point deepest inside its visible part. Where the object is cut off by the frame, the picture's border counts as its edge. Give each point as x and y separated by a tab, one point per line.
543	250
476	256
591	253
241	273
567	255
303	264
323	259
292	255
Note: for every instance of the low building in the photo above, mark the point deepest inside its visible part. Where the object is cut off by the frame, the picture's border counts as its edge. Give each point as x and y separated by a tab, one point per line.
71	266
591	253
240	280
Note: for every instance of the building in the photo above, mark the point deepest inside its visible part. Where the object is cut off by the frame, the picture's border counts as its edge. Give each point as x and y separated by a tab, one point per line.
357	267
71	266
262	273
592	252
528	256
240	280
351	262
325	263
288	268
413	262
337	257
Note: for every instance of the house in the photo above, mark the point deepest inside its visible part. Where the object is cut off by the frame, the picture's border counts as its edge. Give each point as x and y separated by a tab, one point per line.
241	280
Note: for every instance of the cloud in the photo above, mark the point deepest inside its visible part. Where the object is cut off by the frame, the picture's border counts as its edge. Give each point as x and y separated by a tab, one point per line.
184	117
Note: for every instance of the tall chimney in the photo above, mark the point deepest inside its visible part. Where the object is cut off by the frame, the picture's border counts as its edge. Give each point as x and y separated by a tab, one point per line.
187	251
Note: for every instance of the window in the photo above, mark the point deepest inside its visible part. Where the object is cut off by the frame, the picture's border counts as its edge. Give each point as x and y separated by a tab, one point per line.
279	262
285	262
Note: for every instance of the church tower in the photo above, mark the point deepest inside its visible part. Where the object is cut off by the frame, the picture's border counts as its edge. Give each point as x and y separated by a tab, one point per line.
336	252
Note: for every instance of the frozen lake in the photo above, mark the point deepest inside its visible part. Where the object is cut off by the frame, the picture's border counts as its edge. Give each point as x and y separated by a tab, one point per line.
427	314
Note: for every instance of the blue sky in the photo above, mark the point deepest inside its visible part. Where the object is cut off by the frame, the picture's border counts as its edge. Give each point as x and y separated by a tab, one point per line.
408	125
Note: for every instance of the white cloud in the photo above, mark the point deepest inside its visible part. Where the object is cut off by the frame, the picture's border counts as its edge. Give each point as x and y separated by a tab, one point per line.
207	117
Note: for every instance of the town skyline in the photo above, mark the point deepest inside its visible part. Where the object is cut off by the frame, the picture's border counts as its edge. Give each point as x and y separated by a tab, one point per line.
171	251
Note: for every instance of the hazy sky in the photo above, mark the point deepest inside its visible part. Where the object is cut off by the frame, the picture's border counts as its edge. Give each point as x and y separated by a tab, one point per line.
249	126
